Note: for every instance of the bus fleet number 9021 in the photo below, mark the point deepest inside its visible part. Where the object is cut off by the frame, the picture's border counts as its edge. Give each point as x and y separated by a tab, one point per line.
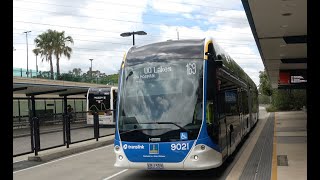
180	146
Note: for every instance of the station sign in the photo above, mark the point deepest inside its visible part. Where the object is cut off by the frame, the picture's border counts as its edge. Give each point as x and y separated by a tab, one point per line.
292	77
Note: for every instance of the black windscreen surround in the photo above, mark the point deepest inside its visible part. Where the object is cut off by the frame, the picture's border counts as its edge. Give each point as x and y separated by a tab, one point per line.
190	49
161	93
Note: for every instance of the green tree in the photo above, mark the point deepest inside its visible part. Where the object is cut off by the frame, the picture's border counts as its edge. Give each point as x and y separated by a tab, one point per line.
60	47
44	43
289	99
111	79
53	43
265	85
44	75
67	77
85	77
77	71
282	100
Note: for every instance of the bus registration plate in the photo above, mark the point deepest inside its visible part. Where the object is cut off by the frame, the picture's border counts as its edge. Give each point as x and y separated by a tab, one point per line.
155	165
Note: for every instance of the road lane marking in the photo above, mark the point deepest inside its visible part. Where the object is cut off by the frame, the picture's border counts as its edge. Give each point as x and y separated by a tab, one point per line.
19	160
62	158
115	174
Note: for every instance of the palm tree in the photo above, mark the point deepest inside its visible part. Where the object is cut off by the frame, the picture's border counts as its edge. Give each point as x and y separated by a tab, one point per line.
54	43
36	52
44	42
77	71
60	48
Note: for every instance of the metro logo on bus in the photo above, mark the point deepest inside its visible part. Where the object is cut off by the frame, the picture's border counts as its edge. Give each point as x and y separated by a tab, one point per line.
126	146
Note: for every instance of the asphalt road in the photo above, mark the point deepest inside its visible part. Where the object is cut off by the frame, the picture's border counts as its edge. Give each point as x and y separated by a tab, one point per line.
97	164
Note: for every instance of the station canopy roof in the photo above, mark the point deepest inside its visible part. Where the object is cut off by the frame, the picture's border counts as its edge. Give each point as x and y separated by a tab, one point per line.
280	31
34	87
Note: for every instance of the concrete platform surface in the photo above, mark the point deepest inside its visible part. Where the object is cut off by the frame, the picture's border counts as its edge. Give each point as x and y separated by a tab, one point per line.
291	146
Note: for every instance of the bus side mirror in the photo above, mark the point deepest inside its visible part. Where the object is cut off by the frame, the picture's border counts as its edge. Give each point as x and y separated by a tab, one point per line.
209	55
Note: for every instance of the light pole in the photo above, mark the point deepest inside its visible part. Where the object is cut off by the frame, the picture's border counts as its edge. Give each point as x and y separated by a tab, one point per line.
177	33
27	52
91	69
37	64
133	33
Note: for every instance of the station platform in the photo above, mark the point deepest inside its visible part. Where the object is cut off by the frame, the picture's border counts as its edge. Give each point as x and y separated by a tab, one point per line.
290	136
275	149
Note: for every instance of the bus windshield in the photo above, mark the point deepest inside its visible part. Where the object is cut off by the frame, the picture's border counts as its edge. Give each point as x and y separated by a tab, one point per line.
158	99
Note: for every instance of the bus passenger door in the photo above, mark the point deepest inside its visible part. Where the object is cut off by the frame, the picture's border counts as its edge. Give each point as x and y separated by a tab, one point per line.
250	108
245	110
221	121
232	118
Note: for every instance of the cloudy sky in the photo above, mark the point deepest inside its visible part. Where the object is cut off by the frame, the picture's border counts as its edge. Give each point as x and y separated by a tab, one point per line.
96	25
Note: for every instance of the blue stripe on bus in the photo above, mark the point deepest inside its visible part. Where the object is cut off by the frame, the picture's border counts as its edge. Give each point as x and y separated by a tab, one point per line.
203	131
203	136
166	152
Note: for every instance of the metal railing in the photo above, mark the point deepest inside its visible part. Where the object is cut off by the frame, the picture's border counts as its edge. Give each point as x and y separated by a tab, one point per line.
43	135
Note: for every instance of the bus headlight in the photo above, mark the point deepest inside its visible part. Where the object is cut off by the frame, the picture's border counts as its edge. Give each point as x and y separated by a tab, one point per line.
116	148
203	147
120	157
195	157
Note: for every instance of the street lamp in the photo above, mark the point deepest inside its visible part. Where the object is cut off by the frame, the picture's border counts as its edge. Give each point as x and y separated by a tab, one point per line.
133	33
177	33
91	68
27	52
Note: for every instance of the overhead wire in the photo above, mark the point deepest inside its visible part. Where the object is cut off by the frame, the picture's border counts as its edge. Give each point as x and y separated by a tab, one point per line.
135	6
119	20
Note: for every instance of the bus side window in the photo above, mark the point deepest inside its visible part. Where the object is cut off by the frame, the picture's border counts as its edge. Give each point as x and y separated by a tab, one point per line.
231	101
210	114
221	107
213	127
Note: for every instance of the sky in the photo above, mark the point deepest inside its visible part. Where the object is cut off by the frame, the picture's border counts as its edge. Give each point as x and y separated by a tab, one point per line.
96	25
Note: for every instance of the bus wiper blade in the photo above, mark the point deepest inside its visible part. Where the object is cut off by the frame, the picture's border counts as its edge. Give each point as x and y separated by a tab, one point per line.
175	125
163	123
132	130
130	73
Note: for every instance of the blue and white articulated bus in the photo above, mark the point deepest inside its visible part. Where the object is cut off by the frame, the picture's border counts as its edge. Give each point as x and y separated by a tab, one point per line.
182	105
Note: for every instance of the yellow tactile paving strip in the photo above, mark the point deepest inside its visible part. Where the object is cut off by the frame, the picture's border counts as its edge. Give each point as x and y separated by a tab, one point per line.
274	153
